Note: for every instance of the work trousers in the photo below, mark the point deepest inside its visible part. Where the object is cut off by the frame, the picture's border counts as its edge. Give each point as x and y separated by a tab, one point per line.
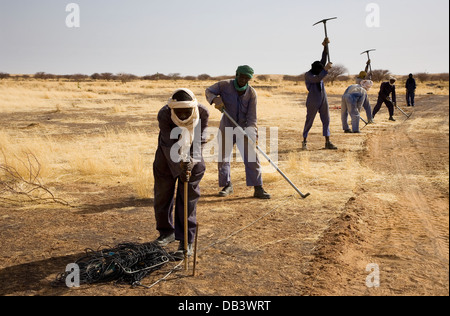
227	139
410	97
312	110
380	102
164	188
349	107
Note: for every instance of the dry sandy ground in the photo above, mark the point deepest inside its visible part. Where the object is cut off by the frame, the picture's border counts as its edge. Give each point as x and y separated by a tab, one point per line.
392	211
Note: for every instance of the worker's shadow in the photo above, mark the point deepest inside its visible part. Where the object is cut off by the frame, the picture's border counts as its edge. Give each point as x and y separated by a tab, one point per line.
36	278
109	206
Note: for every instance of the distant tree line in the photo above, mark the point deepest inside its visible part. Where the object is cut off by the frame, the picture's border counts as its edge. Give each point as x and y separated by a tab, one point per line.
337	73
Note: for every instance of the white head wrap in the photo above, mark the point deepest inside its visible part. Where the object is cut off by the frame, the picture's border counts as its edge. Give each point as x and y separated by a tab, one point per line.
191	123
367	84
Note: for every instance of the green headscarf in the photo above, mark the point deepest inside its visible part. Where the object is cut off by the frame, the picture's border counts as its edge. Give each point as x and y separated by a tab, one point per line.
243	70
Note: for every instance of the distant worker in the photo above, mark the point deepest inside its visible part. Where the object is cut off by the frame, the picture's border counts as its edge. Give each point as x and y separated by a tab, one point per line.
317	101
411	90
239	99
386	89
354	98
364	75
182	111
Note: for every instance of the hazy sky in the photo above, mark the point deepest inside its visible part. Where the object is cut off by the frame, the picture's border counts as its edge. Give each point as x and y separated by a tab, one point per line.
193	37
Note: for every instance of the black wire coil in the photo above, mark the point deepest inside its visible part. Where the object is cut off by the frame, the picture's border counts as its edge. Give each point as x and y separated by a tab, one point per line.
128	263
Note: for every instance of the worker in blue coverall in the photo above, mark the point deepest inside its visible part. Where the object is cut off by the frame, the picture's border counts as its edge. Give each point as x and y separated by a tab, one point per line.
353	100
317	101
239	100
182	111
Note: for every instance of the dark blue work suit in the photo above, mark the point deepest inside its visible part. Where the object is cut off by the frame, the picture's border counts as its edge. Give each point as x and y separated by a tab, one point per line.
167	173
317	100
386	90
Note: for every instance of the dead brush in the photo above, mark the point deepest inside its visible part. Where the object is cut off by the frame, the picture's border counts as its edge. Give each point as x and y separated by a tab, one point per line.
18	187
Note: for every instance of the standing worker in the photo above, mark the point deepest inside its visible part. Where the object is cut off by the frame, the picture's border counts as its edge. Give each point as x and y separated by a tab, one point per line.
239	100
386	89
182	111
317	100
354	98
411	90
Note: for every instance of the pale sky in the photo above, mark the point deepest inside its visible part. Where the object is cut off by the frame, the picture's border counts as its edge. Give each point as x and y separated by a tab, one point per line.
214	37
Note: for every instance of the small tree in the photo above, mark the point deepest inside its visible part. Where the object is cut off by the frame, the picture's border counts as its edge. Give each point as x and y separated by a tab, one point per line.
204	77
4	75
335	72
423	76
380	75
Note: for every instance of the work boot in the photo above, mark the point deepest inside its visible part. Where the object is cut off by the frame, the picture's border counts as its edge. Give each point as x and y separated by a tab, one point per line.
329	145
179	254
165	239
304	145
261	194
227	190
348	131
392	119
371	121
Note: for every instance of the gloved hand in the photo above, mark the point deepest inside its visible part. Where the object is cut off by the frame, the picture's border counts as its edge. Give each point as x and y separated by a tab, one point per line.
186	169
218	103
328	66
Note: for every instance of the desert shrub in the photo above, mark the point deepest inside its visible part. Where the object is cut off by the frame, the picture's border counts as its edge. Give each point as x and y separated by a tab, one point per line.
380	75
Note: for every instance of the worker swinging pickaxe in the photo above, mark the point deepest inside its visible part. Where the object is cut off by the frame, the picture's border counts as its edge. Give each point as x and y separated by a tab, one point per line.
326	33
369	62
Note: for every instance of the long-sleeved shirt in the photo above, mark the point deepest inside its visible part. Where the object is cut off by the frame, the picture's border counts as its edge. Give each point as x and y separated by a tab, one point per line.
314	84
165	143
385	90
241	108
358	95
411	84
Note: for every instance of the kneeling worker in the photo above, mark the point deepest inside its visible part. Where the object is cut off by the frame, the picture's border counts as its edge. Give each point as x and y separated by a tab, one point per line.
185	112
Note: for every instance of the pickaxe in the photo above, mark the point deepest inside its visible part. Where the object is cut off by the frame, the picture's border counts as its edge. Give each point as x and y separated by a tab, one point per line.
326	33
253	142
368	56
408	116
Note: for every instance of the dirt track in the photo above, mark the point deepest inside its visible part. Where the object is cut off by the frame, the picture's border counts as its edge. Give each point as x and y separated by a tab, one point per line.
405	232
397	218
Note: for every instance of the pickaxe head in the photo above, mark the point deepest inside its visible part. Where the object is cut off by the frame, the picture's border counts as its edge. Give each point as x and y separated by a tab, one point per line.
368	51
325	21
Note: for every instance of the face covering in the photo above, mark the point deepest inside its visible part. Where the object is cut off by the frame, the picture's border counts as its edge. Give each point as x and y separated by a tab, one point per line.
189	124
240	89
317	68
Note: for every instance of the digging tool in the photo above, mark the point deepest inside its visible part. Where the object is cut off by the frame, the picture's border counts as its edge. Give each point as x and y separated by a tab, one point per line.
365	122
368	57
186	226
195	251
304	196
326	33
408	116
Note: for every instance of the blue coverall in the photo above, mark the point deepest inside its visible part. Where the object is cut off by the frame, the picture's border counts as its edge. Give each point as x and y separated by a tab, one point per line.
167	173
317	100
243	110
